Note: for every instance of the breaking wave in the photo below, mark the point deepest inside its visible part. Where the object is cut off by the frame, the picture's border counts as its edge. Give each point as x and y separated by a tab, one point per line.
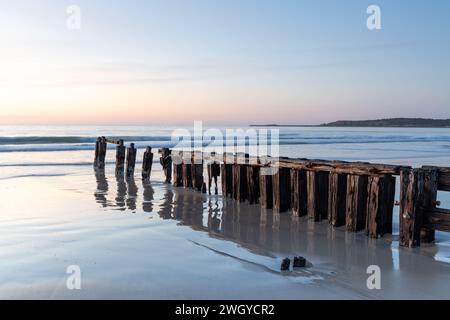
73	143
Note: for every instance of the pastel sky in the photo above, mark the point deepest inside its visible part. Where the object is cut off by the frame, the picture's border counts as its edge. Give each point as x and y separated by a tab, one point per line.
222	61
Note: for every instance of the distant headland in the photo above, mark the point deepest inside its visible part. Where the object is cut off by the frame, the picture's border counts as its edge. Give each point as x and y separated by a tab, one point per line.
390	122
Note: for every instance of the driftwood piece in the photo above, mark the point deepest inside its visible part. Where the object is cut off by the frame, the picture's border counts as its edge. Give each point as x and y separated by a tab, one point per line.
356	203
281	188
317	195
380	205
411	190
131	160
337	199
299	192
120	159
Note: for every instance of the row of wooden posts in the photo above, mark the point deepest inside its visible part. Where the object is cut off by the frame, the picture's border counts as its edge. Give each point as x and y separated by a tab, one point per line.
359	196
125	158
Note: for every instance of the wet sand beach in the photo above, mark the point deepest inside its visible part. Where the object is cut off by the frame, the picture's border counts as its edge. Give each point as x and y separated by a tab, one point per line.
153	241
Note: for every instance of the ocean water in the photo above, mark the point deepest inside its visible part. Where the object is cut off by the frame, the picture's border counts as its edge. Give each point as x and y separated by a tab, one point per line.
35	150
415	146
150	240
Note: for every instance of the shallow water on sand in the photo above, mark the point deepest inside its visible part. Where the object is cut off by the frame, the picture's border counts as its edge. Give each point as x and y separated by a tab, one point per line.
151	240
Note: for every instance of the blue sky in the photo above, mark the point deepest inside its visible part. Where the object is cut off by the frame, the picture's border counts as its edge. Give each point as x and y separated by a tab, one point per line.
223	61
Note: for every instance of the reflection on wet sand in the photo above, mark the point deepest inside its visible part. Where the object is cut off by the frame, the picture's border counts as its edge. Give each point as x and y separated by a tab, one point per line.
166	207
214	214
102	188
260	230
132	194
126	193
121	193
147	202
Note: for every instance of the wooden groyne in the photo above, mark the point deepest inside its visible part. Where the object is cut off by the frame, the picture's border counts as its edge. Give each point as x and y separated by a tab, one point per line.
356	195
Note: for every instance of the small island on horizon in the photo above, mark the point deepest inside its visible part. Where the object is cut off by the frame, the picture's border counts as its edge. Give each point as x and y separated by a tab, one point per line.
389	122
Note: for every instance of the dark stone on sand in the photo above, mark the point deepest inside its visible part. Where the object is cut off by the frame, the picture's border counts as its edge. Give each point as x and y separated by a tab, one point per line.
299	262
285	264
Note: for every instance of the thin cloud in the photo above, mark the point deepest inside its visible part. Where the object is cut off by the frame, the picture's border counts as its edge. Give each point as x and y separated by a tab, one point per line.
114	74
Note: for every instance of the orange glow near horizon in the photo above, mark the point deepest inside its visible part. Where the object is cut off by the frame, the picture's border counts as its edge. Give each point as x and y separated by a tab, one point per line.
59	99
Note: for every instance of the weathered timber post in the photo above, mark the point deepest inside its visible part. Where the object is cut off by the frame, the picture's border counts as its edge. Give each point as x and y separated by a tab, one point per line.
281	188
187	171
235	182
387	203
253	184
147	163
240	186
265	189
178	170
197	172
192	170
131	160
411	190
226	171
100	153
429	199
213	169
103	152
97	151
356	212
120	159
234	179
337	199
317	195
299	199
380	205
166	163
